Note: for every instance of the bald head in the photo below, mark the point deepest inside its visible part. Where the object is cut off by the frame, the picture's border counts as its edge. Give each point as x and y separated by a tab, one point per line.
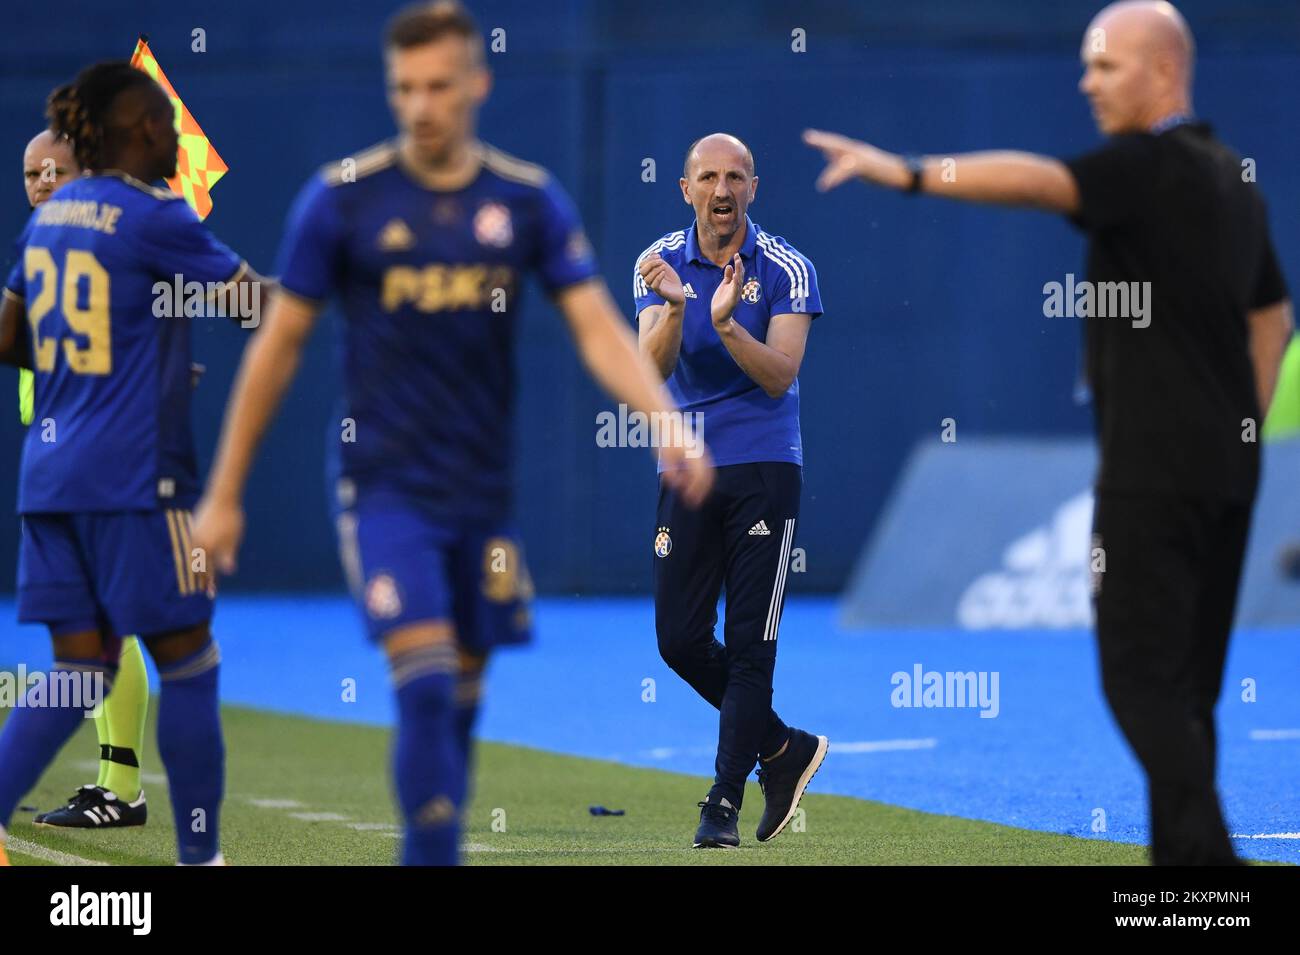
1138	59
716	144
1155	28
48	163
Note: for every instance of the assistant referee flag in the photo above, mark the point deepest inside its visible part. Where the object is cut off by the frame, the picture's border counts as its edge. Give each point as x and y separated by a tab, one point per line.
198	167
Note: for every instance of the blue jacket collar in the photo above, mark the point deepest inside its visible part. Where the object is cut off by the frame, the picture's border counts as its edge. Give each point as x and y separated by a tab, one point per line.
693	253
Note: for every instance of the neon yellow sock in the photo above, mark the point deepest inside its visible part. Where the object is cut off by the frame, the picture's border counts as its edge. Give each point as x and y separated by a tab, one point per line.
125	711
101	731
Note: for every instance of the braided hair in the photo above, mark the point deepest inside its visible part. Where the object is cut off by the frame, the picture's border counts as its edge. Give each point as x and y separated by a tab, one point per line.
79	110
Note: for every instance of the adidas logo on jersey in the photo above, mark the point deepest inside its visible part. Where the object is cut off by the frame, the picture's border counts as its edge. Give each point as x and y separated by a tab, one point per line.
687	291
395	237
759	530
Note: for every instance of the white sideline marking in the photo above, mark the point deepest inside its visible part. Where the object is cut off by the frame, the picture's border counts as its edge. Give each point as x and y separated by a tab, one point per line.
593	850
1267	835
665	752
866	746
47	855
1262	735
276	803
386	829
883	745
668	752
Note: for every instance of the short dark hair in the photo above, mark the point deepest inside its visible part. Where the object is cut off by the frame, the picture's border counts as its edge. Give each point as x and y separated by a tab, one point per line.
421	23
686	163
79	110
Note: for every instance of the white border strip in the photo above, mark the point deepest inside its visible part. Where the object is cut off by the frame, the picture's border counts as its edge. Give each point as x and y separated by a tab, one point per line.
884	745
26	848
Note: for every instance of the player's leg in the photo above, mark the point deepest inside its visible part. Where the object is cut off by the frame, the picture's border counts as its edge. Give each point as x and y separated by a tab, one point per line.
189	738
468	702
396	564
125	712
1214	617
688	568
492	600
428	764
116	799
53	589
147	582
761	525
36	731
102	737
120	718
1146	601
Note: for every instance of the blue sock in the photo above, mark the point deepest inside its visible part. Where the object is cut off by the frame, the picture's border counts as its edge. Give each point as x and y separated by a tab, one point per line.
34	734
429	766
469	691
463	719
189	741
466	715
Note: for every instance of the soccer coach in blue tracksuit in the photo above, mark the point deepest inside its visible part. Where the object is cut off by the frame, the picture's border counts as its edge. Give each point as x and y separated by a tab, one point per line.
723	310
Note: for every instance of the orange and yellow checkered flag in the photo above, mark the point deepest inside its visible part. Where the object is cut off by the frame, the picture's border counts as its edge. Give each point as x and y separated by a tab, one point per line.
198	167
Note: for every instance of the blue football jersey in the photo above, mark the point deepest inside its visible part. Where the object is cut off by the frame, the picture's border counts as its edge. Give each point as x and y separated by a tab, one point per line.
429	282
739	422
111	429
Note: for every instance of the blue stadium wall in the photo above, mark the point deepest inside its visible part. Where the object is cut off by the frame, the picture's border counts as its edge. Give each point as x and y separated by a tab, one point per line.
933	310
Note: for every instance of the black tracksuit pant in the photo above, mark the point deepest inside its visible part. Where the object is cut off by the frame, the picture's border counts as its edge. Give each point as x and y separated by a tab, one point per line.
1165	604
740	538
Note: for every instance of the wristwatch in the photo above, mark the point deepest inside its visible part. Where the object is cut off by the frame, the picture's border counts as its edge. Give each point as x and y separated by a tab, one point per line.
916	166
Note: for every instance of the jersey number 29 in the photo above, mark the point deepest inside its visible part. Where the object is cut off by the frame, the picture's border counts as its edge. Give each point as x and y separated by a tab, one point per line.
90	321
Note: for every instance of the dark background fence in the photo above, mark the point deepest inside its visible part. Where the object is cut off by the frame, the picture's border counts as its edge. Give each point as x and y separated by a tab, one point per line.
934	311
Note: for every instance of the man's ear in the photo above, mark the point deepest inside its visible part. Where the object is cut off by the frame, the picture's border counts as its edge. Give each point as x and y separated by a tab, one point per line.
482	85
686	196
753	189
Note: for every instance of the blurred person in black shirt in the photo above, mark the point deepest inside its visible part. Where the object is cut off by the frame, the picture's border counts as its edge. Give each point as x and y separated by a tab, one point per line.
1187	317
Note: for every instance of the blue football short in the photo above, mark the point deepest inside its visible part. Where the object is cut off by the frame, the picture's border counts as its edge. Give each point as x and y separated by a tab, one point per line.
122	572
405	566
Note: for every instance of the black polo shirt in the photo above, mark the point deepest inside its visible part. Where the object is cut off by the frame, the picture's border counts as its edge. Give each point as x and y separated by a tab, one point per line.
1172	209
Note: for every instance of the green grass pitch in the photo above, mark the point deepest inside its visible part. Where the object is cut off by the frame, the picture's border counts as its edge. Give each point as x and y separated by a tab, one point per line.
303	791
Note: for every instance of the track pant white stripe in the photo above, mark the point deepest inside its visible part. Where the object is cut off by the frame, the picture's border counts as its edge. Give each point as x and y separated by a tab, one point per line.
778	587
